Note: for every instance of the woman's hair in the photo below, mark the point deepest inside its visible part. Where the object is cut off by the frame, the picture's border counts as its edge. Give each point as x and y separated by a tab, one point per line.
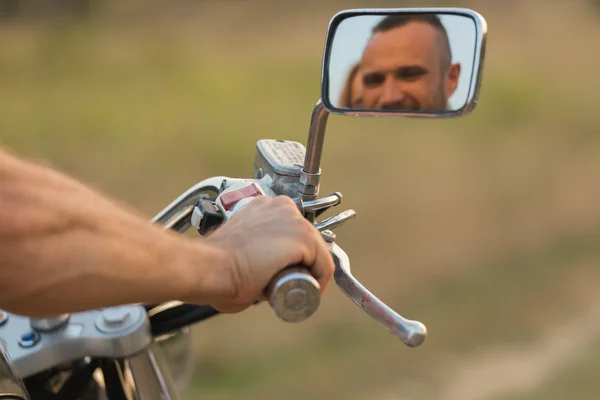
346	96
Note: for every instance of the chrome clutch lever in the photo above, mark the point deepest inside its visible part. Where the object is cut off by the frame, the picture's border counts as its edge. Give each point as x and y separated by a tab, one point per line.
412	333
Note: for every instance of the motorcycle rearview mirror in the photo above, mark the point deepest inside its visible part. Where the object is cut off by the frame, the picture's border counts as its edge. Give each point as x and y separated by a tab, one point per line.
403	62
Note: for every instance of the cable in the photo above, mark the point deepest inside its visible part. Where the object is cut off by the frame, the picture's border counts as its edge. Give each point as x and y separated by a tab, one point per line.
180	316
171	313
193	316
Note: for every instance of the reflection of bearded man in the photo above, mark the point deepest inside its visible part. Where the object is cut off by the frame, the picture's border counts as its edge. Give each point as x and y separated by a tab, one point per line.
407	65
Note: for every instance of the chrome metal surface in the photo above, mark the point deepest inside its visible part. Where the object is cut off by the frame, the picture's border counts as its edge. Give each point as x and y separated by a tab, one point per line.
188	198
85	334
326	202
311	172
310	184
412	333
294	295
116	319
151	375
182	221
328	236
476	75
281	184
11	385
49	324
164	306
278	163
316	139
335	221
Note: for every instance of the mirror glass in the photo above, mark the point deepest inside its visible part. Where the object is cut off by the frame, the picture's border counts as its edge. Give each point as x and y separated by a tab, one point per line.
403	62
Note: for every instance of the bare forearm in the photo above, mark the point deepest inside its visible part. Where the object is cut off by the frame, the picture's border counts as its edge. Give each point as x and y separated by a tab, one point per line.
65	248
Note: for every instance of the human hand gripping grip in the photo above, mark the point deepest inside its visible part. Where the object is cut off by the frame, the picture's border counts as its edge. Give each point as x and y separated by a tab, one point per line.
293	293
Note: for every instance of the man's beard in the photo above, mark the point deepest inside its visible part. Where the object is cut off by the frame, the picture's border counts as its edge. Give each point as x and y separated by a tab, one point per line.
438	102
441	101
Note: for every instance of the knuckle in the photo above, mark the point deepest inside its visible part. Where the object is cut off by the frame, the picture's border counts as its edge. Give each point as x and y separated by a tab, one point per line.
308	238
309	229
330	266
260	200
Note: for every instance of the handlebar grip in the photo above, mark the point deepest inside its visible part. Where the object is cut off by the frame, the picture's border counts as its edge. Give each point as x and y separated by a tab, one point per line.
294	294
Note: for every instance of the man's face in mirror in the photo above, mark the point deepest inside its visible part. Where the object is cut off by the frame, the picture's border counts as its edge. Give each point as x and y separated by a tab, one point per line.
407	66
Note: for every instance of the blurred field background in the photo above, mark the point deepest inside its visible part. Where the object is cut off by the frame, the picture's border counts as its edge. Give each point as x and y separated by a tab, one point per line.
486	228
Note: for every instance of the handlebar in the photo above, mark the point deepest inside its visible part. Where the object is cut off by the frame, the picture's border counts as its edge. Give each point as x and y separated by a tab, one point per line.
126	331
293	294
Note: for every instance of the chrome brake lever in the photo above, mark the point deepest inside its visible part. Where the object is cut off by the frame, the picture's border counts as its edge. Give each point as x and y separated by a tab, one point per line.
335	221
319	206
412	333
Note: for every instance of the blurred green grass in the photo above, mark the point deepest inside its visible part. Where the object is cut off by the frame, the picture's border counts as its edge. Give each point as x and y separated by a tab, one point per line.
486	228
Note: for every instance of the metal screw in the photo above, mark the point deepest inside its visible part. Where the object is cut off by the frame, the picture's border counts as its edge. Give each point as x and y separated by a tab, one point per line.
29	339
49	324
115	316
328	235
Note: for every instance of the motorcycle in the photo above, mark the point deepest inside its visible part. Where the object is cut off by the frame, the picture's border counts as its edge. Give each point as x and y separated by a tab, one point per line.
141	351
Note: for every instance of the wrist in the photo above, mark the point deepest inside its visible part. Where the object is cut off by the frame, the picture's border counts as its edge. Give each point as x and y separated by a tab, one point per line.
208	279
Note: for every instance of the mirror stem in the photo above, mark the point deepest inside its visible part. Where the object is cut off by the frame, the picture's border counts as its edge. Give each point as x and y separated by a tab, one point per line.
316	138
311	173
